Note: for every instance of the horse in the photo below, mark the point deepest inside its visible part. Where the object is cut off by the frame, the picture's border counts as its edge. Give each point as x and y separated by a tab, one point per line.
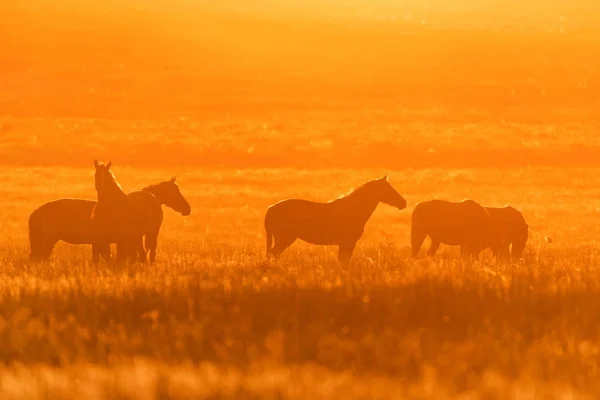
340	221
69	220
514	226
166	193
120	217
465	223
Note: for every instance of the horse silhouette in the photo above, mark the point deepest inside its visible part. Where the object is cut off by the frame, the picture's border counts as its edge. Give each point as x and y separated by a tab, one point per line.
340	221
69	220
514	227
465	223
120	217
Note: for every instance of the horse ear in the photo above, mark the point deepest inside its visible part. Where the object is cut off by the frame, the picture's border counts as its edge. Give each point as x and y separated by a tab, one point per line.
386	176
108	165
95	163
173	179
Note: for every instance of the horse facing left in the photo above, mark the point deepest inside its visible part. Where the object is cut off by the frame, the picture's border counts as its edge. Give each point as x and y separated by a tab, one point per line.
340	221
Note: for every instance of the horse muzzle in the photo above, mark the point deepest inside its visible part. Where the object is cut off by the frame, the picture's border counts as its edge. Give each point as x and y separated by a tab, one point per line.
401	204
186	211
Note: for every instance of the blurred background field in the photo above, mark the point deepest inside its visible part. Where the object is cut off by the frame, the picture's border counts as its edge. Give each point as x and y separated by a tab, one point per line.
281	84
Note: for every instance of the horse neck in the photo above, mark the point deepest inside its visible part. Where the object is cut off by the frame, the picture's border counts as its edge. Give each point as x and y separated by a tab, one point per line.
111	194
361	202
157	193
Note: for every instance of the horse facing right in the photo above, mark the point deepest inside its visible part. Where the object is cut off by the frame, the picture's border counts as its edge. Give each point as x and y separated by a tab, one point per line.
466	224
338	222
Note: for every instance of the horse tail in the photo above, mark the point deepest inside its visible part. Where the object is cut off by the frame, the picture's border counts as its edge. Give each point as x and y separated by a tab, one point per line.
269	241
268	231
93	214
35	235
417	230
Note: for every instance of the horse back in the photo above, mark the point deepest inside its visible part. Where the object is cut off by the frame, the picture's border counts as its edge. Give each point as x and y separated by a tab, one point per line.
444	208
64	219
291	209
507	213
510	219
453	222
145	208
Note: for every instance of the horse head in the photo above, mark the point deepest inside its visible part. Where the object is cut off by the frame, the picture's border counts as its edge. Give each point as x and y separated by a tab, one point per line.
168	193
519	242
102	174
388	194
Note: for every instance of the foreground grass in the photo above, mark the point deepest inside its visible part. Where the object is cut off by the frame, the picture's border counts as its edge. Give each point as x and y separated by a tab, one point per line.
145	379
459	325
214	319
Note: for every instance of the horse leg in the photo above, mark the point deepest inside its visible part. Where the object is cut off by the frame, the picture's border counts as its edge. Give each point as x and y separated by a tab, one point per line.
120	252
151	245
95	254
470	252
123	252
132	250
269	241
281	243
416	241
435	245
466	251
140	250
345	252
35	245
502	252
104	251
46	249
100	249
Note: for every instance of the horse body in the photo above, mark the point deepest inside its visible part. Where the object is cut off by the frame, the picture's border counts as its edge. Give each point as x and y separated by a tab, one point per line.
63	219
147	217
69	220
338	222
466	223
514	227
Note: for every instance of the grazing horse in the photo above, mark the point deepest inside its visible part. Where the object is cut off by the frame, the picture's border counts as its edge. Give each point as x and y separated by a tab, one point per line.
69	220
338	222
465	223
515	228
120	217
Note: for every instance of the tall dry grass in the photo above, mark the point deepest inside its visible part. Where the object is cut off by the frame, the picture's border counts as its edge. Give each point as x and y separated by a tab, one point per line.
214	318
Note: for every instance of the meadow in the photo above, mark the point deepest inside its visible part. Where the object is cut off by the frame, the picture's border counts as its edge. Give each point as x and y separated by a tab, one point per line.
214	318
254	106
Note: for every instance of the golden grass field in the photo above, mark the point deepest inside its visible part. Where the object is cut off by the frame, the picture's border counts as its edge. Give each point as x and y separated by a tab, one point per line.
251	105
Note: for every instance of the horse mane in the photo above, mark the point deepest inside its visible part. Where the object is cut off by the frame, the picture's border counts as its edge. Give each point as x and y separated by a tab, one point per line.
352	192
150	188
117	185
115	180
157	190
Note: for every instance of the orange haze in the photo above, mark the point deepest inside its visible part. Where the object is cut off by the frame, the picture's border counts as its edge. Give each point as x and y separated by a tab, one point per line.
159	83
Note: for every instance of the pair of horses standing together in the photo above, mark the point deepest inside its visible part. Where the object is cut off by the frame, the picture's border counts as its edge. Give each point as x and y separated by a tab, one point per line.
116	217
342	221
